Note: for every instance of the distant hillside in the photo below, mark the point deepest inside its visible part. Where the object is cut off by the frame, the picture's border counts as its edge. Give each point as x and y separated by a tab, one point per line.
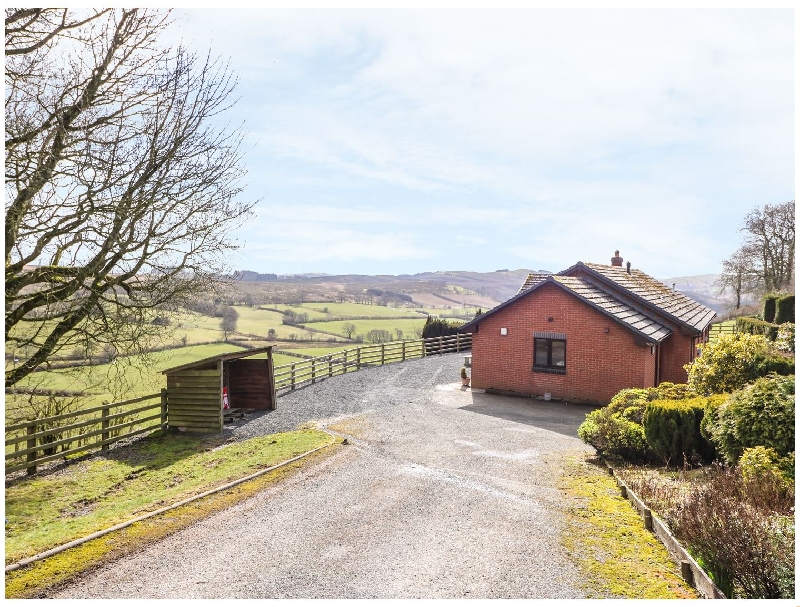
701	288
478	289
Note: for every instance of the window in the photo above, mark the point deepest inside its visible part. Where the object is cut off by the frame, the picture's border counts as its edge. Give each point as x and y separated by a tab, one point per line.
550	352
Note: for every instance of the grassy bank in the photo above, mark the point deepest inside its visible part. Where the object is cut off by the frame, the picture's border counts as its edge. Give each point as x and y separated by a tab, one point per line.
49	510
607	540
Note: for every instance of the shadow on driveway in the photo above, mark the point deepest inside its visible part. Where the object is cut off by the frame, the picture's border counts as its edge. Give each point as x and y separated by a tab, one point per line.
563	418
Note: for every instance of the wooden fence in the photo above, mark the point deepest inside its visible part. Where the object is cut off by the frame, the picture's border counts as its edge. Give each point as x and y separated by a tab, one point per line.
47	439
35	442
719	329
294	375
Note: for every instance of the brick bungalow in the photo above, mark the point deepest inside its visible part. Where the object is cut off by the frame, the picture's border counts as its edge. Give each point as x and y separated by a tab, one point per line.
586	333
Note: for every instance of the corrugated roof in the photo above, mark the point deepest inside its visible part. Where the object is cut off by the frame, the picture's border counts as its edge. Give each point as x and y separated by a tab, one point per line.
657	294
224	356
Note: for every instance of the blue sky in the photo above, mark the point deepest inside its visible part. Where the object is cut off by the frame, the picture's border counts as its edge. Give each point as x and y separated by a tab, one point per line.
389	142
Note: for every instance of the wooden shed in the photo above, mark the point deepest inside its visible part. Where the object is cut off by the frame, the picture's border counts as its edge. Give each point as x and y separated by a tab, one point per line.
195	390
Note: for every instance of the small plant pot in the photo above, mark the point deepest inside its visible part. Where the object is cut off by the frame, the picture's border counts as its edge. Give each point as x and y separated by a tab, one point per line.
465	381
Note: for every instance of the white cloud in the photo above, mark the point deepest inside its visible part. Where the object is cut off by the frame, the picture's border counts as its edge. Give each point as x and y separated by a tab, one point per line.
647	128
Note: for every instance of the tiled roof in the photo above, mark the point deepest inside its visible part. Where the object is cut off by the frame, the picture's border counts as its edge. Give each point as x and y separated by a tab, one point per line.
615	308
533	279
657	294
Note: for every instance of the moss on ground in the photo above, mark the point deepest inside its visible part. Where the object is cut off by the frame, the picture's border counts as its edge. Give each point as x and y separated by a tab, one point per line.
36	579
607	540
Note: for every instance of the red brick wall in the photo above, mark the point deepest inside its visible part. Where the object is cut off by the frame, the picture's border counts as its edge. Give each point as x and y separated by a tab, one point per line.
598	364
676	351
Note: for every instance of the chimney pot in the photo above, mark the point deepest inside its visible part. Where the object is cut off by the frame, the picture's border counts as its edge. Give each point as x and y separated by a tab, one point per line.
629	267
616	260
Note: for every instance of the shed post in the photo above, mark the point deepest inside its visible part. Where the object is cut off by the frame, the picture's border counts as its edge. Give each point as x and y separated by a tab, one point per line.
163	407
273	397
221	369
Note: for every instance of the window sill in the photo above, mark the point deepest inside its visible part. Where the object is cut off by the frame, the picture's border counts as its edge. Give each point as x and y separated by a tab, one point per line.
553	370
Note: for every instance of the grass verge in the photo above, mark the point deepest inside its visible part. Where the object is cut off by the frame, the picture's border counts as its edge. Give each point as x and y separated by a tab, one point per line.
607	540
100	492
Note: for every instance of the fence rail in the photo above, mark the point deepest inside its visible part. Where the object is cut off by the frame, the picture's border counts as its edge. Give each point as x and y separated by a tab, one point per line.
719	329
35	442
46	439
293	375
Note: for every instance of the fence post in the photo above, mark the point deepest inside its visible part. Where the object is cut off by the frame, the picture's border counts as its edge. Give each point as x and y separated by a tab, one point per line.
344	363
104	425
440	345
358	358
164	407
313	370
404	350
293	364
458	342
383	354
31	457
330	367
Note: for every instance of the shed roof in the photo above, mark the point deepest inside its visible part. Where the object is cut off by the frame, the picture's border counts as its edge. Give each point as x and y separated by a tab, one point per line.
224	356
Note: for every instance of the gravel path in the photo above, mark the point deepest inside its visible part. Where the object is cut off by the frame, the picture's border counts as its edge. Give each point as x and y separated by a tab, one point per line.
442	493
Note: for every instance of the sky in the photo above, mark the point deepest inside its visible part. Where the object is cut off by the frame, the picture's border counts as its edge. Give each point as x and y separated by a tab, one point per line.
397	142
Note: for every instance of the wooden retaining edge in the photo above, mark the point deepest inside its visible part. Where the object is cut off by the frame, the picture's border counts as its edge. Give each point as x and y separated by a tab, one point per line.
97	534
691	572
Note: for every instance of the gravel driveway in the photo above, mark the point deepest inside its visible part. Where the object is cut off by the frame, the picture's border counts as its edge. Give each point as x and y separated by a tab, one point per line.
442	493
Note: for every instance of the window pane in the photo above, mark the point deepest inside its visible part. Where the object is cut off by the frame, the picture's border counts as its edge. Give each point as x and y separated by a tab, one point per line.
559	358
541	353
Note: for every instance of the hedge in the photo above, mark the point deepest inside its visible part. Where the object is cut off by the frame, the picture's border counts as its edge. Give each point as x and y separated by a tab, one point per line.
768	311
754	326
784	310
672	429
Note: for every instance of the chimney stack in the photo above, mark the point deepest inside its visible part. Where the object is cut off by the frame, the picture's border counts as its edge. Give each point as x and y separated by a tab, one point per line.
616	260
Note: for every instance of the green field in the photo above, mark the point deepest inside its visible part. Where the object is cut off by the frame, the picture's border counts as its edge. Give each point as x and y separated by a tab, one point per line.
111	383
354	309
406	325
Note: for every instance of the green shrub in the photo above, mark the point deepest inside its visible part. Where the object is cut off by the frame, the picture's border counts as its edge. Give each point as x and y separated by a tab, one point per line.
613	435
772	362
784	342
727	364
616	430
761	414
761	463
768	309
754	326
672	430
784	311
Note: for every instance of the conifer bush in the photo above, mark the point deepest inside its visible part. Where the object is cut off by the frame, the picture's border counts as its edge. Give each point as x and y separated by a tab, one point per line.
761	414
784	310
768	309
672	430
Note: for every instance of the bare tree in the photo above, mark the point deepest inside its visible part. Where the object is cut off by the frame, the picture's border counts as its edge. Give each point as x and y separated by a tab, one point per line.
119	189
770	240
348	329
229	321
739	274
